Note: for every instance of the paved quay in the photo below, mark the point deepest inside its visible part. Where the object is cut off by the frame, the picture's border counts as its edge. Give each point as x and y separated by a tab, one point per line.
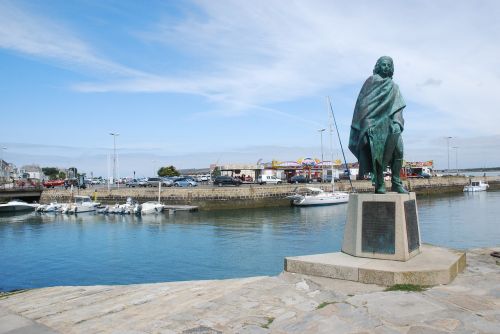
287	303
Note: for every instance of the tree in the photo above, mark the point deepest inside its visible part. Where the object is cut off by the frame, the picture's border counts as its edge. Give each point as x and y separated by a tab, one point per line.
51	172
168	171
216	172
61	175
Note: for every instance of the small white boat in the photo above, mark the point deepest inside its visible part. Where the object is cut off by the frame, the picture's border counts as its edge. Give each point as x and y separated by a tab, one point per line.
129	207
476	186
17	206
305	196
151	207
52	207
81	204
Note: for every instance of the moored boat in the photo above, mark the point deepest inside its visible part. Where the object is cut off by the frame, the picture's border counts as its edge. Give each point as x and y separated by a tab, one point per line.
17	206
474	186
151	207
81	204
306	196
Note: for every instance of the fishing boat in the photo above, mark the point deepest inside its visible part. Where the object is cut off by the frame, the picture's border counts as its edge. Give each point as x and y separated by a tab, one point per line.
52	207
474	186
17	206
307	196
129	207
81	204
151	207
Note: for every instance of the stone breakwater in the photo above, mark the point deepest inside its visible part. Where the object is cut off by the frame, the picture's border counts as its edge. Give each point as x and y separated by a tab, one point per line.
288	303
249	196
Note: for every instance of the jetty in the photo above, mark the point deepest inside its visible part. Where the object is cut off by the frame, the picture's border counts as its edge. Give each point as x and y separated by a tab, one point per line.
208	197
287	303
28	193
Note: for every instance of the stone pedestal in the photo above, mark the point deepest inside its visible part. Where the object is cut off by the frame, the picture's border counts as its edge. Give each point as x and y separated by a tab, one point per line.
381	239
435	265
382	226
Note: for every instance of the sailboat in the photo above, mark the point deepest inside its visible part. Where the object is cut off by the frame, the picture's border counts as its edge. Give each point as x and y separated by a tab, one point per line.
308	196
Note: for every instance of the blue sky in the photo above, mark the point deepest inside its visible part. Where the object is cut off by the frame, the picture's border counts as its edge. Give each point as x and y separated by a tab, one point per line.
191	83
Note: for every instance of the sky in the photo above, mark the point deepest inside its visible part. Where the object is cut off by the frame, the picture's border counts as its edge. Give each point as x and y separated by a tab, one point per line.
194	83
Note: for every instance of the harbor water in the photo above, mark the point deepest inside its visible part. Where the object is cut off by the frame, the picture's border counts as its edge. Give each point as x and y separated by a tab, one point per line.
38	250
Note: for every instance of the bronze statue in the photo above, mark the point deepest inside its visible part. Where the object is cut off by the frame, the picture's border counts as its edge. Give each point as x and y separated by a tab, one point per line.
377	125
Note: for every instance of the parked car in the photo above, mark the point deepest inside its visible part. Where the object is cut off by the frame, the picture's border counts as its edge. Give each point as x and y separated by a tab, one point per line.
155	182
185	182
135	183
299	179
227	180
268	179
95	182
167	181
328	179
345	175
76	183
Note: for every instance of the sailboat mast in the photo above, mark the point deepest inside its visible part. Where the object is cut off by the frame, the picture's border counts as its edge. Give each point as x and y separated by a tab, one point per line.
330	127
340	142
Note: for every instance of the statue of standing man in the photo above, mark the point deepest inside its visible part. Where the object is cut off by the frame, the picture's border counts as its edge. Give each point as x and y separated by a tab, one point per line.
377	125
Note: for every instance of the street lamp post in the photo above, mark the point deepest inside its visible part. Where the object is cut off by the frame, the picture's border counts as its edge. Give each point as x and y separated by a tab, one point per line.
322	159
114	154
456	157
448	144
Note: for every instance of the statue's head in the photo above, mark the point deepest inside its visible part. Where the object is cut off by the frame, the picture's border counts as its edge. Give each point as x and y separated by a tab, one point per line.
384	67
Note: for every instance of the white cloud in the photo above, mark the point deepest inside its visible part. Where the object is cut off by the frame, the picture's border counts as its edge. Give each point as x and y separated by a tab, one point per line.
268	51
28	33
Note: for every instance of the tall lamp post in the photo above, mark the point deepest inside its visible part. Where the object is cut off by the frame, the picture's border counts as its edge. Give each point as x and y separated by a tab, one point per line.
456	157
322	159
448	144
114	154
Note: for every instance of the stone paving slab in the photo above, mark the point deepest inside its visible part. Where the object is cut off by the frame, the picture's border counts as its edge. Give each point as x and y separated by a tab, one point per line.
11	323
288	303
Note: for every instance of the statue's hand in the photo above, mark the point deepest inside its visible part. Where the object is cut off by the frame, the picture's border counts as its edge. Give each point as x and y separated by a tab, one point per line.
396	128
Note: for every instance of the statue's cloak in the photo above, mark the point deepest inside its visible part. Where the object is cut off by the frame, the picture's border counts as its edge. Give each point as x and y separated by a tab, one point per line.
373	132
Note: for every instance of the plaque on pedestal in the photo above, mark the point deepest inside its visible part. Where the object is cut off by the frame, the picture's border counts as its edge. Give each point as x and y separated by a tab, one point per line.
382	226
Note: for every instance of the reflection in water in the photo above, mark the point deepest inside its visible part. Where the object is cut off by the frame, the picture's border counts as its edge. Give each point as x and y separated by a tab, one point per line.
45	250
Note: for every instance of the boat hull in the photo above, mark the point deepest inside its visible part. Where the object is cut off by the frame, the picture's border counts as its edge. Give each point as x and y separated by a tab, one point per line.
15	206
320	200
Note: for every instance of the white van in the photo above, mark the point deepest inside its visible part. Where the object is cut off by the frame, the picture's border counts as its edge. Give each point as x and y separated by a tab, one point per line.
268	179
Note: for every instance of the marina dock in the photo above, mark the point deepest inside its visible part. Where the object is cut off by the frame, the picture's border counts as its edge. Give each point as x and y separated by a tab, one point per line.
208	197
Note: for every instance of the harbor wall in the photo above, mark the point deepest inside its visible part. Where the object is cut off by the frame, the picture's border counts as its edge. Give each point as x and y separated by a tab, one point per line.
253	195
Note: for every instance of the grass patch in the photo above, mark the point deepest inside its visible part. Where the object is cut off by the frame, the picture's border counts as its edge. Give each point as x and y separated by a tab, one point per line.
269	322
324	304
406	287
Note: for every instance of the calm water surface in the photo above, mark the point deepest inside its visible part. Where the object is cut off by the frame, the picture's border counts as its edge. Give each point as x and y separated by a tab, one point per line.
46	250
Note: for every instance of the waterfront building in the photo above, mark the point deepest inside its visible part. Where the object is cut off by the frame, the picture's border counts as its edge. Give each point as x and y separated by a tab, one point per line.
314	169
31	172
